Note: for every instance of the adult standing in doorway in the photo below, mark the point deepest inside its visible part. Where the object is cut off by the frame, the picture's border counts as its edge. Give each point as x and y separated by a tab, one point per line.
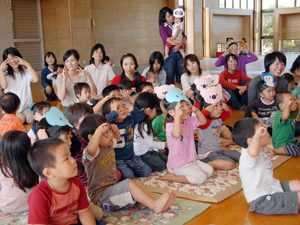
173	65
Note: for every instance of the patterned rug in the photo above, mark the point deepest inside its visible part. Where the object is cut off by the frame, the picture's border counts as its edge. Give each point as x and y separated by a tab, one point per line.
180	212
221	185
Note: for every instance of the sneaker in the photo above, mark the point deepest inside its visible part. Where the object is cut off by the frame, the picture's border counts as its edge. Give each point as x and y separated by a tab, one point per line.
242	107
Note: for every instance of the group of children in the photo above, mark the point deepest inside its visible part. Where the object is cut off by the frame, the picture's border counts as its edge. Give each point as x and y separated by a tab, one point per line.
122	138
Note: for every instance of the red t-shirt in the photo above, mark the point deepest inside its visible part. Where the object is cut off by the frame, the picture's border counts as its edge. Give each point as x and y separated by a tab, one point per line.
231	81
117	79
47	206
10	122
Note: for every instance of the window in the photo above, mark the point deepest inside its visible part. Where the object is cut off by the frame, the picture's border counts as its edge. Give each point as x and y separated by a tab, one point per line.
268	24
244	4
267	45
291	45
237	4
298	3
228	3
268	4
222	3
250	4
286	3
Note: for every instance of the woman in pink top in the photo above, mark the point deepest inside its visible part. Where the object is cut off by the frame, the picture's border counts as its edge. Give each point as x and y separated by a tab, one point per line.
236	83
183	164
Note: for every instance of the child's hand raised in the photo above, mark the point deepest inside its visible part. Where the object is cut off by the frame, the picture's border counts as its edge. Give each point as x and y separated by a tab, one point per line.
114	128
194	109
262	131
225	107
129	107
103	127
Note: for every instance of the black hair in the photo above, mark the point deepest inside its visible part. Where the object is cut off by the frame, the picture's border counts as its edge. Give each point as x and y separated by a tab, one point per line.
166	104
142	85
48	54
271	57
52	131
146	100
156	56
296	64
242	130
197	95
42	156
233	56
14	147
162	15
106	91
279	97
78	87
232	43
90	124
105	110
95	48
137	75
192	58
56	68
227	39
71	52
9	102
261	86
288	77
244	40
14	52
77	110
124	84
38	107
106	58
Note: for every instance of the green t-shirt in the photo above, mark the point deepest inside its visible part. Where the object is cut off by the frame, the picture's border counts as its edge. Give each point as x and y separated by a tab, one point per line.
159	126
283	131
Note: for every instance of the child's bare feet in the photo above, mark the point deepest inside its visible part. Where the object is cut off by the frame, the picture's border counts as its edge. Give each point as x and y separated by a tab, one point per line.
164	202
169	177
167	56
172	199
271	153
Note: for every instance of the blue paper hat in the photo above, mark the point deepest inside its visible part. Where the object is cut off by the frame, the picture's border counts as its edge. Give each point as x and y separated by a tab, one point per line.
175	95
55	118
269	80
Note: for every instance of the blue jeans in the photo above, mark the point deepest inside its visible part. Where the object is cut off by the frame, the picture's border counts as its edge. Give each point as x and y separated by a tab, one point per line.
237	99
133	167
52	96
155	160
173	67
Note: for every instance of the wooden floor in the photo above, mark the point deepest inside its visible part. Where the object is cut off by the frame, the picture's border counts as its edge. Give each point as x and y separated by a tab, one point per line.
234	210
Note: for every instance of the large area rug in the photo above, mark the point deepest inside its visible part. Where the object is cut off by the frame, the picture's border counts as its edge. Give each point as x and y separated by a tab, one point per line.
180	212
221	185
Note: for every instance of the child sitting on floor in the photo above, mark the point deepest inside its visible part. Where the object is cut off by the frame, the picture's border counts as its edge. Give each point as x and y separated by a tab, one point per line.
183	164
10	103
292	87
103	188
143	140
83	93
17	179
61	197
264	193
209	149
145	87
116	112
284	125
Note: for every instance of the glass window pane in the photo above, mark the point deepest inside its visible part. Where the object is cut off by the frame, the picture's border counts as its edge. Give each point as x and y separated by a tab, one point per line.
285	3
244	4
250	4
267	24
298	3
229	4
290	46
236	4
222	3
267	45
268	4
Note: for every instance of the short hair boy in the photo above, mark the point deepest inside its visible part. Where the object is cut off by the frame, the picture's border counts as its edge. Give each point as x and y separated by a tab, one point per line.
111	90
263	107
292	87
151	77
145	87
284	125
116	112
103	188
83	93
264	193
10	104
61	197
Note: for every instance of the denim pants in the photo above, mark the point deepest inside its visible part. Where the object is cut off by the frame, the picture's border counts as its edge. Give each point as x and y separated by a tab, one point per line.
173	67
52	96
155	160
237	99
133	167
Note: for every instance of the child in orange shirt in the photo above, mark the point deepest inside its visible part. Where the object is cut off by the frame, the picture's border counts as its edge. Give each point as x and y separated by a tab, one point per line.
10	104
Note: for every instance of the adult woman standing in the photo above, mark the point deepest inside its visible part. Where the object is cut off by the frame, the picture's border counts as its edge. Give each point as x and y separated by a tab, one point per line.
193	71
173	65
274	64
243	60
14	78
101	72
